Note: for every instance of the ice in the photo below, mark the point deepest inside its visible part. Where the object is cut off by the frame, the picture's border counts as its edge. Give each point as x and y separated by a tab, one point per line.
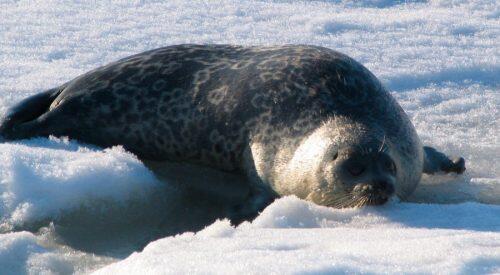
67	207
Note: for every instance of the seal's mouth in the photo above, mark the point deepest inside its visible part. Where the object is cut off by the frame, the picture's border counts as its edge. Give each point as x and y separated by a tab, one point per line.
375	193
356	200
362	195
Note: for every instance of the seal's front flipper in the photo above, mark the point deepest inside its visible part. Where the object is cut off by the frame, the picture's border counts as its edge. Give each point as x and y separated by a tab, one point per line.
435	161
257	200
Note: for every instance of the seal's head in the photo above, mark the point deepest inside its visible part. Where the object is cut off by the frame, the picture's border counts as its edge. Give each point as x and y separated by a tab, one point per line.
356	175
349	165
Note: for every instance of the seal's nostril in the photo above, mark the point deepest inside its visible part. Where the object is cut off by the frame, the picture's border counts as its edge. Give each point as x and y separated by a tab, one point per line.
384	187
389	189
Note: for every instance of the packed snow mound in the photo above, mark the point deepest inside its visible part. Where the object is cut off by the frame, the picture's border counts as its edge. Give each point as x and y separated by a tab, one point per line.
41	179
294	236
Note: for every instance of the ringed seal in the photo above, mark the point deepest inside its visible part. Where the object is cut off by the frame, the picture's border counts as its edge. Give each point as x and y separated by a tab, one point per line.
294	119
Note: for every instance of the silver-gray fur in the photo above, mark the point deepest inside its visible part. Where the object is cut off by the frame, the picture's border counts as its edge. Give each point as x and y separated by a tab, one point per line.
286	118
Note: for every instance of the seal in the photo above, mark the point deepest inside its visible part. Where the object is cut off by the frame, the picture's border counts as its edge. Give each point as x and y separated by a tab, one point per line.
285	120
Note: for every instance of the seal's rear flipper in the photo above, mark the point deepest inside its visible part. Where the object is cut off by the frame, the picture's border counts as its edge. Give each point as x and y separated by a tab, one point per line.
435	161
25	112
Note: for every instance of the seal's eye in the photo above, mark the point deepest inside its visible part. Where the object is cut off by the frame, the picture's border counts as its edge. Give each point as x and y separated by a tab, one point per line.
336	155
390	166
355	169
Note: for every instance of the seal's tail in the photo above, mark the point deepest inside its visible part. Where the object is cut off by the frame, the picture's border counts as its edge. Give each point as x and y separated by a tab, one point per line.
25	112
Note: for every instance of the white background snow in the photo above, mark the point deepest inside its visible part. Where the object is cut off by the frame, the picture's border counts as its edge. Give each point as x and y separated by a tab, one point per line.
72	208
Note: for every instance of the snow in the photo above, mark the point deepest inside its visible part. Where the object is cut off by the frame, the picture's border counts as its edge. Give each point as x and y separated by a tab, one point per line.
67	207
23	252
293	236
40	176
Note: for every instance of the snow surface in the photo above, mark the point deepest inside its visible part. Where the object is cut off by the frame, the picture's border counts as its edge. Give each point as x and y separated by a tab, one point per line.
73	208
294	236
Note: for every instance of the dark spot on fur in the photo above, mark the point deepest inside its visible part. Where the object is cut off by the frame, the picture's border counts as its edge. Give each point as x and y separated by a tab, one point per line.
165	97
218	148
177	93
141	105
103	97
135	79
160	141
147	115
124	105
159	85
150	104
132	118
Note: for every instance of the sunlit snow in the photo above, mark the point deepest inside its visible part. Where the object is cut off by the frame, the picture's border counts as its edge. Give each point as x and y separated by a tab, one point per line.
67	207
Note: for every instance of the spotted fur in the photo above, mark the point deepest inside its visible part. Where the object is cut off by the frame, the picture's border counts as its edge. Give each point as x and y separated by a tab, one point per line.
215	104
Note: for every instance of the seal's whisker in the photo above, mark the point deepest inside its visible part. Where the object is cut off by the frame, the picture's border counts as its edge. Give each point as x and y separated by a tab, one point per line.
343	202
339	202
361	202
354	202
382	148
